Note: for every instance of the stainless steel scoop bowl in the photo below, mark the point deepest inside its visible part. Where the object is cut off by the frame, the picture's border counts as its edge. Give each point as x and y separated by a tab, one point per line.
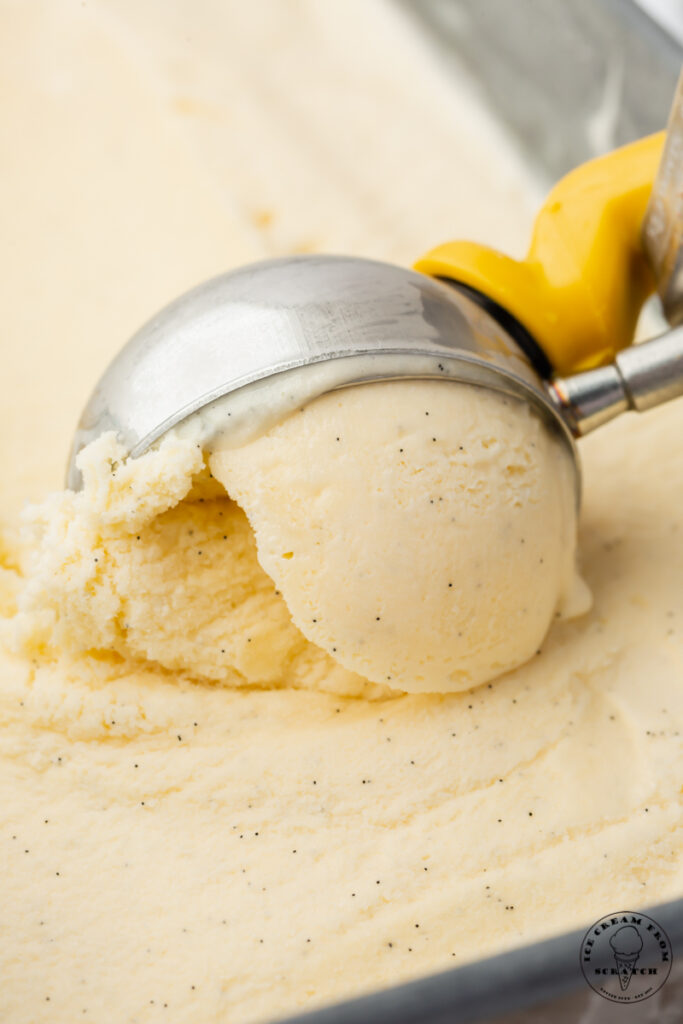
308	324
278	334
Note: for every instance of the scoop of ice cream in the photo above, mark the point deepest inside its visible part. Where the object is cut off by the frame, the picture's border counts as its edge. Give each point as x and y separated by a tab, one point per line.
423	533
414	536
626	941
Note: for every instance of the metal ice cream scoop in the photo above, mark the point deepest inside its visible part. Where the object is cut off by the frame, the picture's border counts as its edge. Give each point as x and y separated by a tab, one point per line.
251	345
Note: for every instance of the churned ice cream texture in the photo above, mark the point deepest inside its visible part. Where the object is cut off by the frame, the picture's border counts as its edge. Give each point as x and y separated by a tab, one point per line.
153	562
214	805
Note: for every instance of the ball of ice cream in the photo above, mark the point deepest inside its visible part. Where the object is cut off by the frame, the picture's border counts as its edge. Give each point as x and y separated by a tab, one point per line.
626	941
423	533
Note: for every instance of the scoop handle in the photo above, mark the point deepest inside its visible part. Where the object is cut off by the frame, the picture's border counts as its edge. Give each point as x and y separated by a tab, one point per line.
640	378
663	224
581	287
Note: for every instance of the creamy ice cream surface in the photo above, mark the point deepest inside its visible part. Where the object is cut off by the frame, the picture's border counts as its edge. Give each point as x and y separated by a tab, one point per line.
207	814
422	533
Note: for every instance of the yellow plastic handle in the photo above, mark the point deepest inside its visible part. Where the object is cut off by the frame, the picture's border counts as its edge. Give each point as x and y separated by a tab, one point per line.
585	278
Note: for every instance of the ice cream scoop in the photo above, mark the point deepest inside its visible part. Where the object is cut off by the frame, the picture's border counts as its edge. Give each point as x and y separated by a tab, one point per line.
418	513
250	346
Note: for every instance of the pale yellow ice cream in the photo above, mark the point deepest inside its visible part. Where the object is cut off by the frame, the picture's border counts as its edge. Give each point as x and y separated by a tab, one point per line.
422	533
417	535
192	830
121	567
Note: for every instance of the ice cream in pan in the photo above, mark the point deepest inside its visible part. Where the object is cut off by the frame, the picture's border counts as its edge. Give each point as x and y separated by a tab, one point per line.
389	548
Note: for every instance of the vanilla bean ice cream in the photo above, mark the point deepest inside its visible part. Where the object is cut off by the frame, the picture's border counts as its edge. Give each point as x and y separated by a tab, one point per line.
213	807
422	533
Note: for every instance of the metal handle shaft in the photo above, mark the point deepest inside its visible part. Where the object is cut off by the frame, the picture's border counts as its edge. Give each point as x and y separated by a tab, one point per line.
652	373
662	231
640	378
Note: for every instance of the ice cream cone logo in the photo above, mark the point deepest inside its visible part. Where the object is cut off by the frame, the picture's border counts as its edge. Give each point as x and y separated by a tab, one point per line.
626	945
626	957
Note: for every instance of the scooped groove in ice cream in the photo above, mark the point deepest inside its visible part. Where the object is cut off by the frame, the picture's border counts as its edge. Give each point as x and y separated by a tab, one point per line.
153	562
423	533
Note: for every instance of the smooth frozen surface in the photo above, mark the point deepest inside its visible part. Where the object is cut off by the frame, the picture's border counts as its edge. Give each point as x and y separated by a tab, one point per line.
422	533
